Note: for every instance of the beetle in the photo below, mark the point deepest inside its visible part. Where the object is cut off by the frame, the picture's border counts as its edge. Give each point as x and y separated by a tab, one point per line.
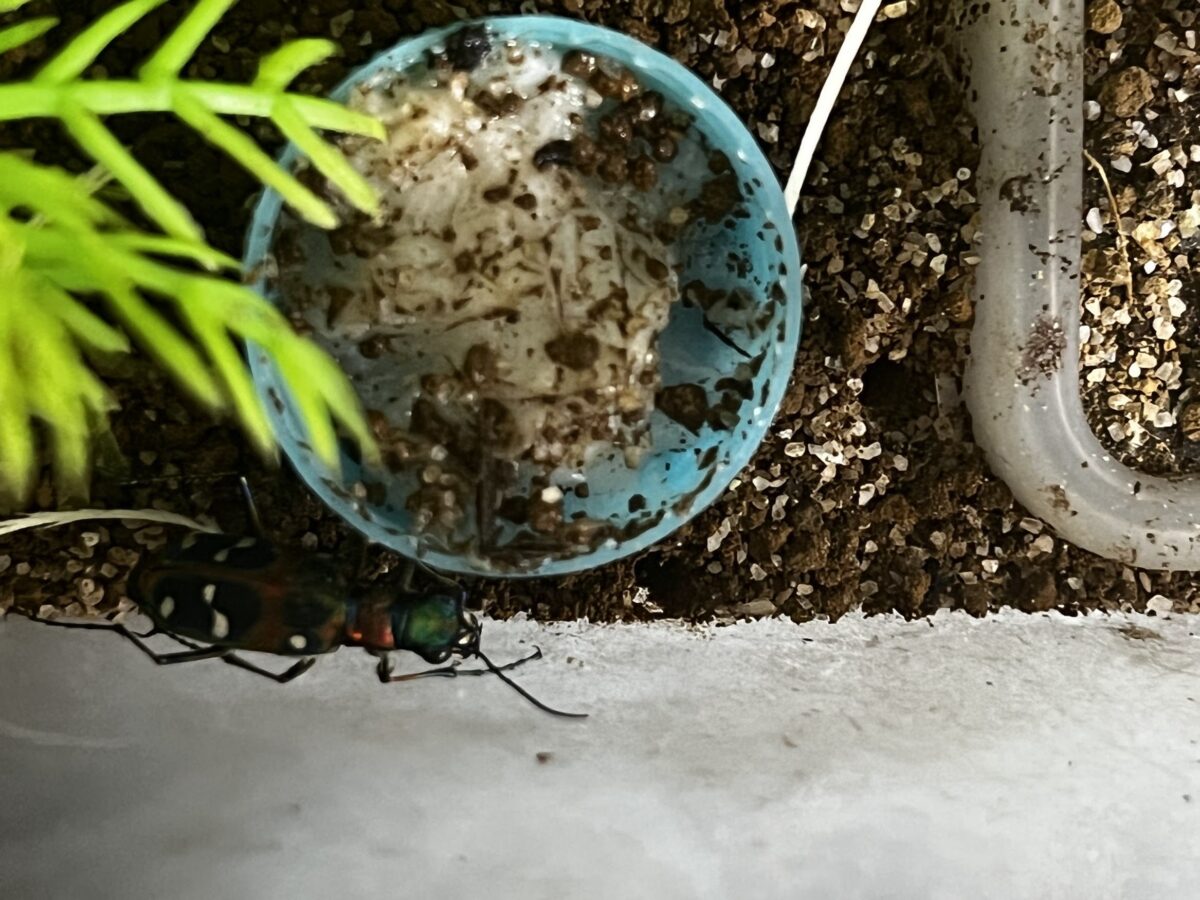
218	594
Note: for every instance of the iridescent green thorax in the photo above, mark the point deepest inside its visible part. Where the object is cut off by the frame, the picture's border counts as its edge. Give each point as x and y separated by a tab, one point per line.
434	626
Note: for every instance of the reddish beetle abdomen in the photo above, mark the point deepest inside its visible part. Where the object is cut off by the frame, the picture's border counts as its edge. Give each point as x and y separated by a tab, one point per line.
371	627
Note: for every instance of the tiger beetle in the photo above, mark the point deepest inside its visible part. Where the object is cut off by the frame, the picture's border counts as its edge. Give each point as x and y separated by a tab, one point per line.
217	594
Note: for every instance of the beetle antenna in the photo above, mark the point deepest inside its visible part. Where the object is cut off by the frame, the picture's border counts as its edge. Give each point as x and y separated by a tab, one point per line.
434	574
251	508
485	484
495	670
182	479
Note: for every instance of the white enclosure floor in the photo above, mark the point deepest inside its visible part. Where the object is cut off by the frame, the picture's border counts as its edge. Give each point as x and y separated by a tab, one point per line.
1022	757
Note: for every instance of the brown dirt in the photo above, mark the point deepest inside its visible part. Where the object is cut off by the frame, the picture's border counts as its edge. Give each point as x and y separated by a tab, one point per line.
868	492
1139	365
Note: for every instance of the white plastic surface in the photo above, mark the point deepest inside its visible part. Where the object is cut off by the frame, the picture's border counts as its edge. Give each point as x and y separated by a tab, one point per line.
1023	381
1015	757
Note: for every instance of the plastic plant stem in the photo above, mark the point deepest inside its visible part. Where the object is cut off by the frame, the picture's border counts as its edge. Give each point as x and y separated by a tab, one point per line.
828	99
1022	383
55	518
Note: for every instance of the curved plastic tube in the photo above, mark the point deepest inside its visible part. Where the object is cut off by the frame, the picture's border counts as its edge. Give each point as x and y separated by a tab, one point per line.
1027	83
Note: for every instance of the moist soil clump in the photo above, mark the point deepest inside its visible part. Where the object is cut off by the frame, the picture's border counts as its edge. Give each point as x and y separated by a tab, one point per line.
868	491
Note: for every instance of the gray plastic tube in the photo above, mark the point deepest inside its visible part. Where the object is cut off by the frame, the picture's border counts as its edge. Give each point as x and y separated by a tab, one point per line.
1022	388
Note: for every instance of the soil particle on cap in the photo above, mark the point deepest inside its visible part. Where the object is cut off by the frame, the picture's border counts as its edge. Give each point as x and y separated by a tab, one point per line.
575	350
686	404
467	48
579	63
665	148
720	196
497	194
644	173
1042	354
555	153
614	168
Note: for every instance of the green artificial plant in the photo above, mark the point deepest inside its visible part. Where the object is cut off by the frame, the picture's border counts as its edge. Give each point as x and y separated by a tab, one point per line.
77	278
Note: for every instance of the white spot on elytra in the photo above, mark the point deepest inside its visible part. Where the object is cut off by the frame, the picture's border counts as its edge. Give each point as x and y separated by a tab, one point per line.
166	607
210	591
298	641
221	555
220	625
245	543
189	542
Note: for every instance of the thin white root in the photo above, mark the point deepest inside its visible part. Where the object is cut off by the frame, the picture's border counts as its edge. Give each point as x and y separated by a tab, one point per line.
1115	213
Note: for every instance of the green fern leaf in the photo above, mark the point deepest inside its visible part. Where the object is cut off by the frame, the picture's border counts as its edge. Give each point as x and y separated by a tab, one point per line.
58	91
170	58
59	241
22	33
81	52
279	69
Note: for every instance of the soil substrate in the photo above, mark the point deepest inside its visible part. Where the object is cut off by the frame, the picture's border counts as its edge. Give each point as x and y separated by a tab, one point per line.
869	490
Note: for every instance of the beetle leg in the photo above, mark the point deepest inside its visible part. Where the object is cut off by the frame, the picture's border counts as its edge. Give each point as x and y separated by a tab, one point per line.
195	653
455	671
119	628
176	638
447	672
436	576
384	669
406	579
252	508
83	626
536	654
183	656
282	677
363	555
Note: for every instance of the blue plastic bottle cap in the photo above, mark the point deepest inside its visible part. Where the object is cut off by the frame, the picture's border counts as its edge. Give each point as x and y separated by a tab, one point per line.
686	470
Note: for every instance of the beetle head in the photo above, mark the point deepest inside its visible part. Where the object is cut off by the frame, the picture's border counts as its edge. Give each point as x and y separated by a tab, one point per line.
435	626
